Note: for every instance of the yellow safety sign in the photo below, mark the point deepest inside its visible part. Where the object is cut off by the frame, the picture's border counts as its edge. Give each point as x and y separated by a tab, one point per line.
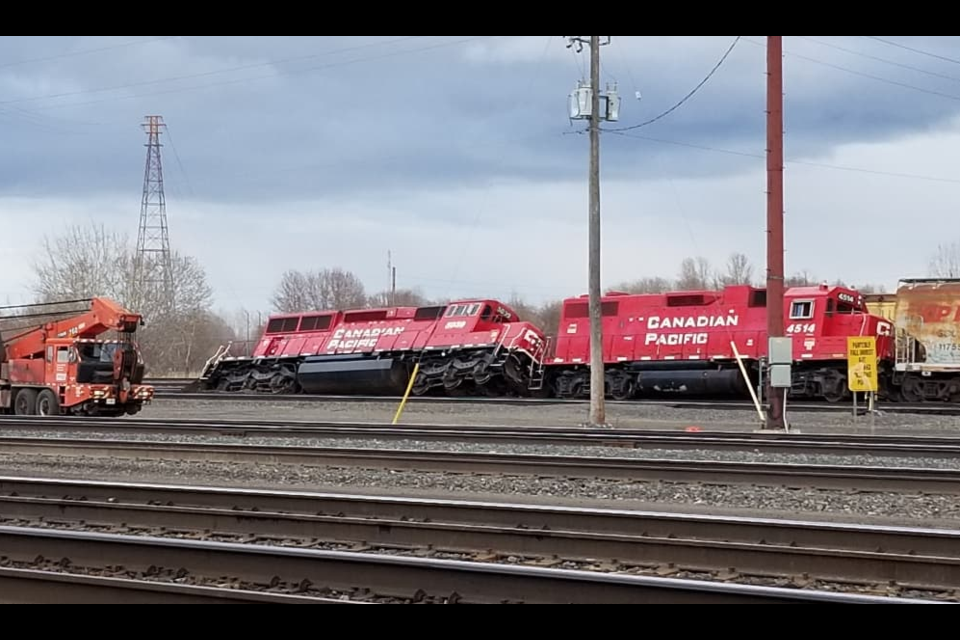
862	357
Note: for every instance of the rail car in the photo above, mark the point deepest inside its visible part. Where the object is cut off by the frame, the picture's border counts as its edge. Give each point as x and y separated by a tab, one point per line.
694	342
478	347
927	364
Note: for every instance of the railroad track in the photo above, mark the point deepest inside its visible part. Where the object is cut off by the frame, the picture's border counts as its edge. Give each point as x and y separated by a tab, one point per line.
173	392
500	552
847	478
801	444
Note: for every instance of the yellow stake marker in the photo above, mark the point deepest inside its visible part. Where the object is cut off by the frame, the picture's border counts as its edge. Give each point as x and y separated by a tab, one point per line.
406	396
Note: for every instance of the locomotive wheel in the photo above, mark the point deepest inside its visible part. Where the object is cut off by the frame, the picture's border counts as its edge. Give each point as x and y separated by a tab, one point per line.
421	386
623	392
834	389
835	396
283	384
912	391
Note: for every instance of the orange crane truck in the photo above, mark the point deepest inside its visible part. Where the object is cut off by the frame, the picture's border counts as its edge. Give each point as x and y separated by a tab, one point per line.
65	368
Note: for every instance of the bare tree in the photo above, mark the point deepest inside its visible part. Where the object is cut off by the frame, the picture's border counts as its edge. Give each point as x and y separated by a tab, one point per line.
294	295
802	279
546	316
84	262
946	262
645	285
695	275
88	262
549	315
739	271
400	298
869	289
342	289
328	290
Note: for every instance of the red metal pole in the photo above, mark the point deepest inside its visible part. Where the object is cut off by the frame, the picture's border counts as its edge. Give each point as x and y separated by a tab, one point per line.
775	248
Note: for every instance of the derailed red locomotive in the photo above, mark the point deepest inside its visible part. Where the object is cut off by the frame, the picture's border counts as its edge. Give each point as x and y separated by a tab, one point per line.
474	346
693	342
689	343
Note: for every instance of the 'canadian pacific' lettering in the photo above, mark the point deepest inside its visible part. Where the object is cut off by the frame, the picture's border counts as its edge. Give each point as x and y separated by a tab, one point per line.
677	339
656	324
351	340
702	322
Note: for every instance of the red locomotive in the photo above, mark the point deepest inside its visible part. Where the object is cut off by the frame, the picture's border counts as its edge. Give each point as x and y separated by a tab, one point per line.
475	346
689	342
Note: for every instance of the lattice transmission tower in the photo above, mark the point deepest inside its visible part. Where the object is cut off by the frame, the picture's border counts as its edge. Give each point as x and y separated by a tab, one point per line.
154	263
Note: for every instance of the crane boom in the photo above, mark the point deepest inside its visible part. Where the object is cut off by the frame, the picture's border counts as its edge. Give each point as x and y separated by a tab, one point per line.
104	315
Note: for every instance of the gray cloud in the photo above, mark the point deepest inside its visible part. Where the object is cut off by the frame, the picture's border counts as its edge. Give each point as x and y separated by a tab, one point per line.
417	113
298	136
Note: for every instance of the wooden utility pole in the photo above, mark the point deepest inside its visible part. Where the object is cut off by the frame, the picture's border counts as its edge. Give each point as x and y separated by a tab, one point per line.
598	385
775	247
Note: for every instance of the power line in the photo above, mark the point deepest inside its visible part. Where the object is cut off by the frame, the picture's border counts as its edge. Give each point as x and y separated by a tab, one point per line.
183	170
84	52
913	49
205	74
268	76
861	74
891	174
760	156
689	95
879	59
688	145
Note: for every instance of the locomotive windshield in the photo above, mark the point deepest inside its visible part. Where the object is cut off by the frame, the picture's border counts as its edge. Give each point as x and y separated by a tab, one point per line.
463	311
849	304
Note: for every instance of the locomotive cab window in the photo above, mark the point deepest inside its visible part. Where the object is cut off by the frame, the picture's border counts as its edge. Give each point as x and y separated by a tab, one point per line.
802	310
464	311
847	304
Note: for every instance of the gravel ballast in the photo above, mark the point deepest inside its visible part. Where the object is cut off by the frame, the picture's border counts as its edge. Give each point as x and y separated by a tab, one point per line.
747	455
915	510
625	416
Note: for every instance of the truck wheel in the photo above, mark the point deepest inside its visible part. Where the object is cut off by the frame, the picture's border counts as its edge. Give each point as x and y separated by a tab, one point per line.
48	404
25	403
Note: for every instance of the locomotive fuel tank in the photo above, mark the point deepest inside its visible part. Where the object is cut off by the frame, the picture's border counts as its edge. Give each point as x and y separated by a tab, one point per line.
694	383
350	375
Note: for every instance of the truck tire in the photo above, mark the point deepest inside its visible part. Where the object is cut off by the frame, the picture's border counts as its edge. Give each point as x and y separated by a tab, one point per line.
48	404
25	404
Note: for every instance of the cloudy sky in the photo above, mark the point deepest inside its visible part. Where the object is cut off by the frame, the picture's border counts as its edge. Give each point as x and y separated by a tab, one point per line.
456	153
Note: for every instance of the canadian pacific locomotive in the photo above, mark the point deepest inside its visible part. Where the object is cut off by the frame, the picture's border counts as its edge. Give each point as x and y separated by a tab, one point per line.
693	342
474	346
